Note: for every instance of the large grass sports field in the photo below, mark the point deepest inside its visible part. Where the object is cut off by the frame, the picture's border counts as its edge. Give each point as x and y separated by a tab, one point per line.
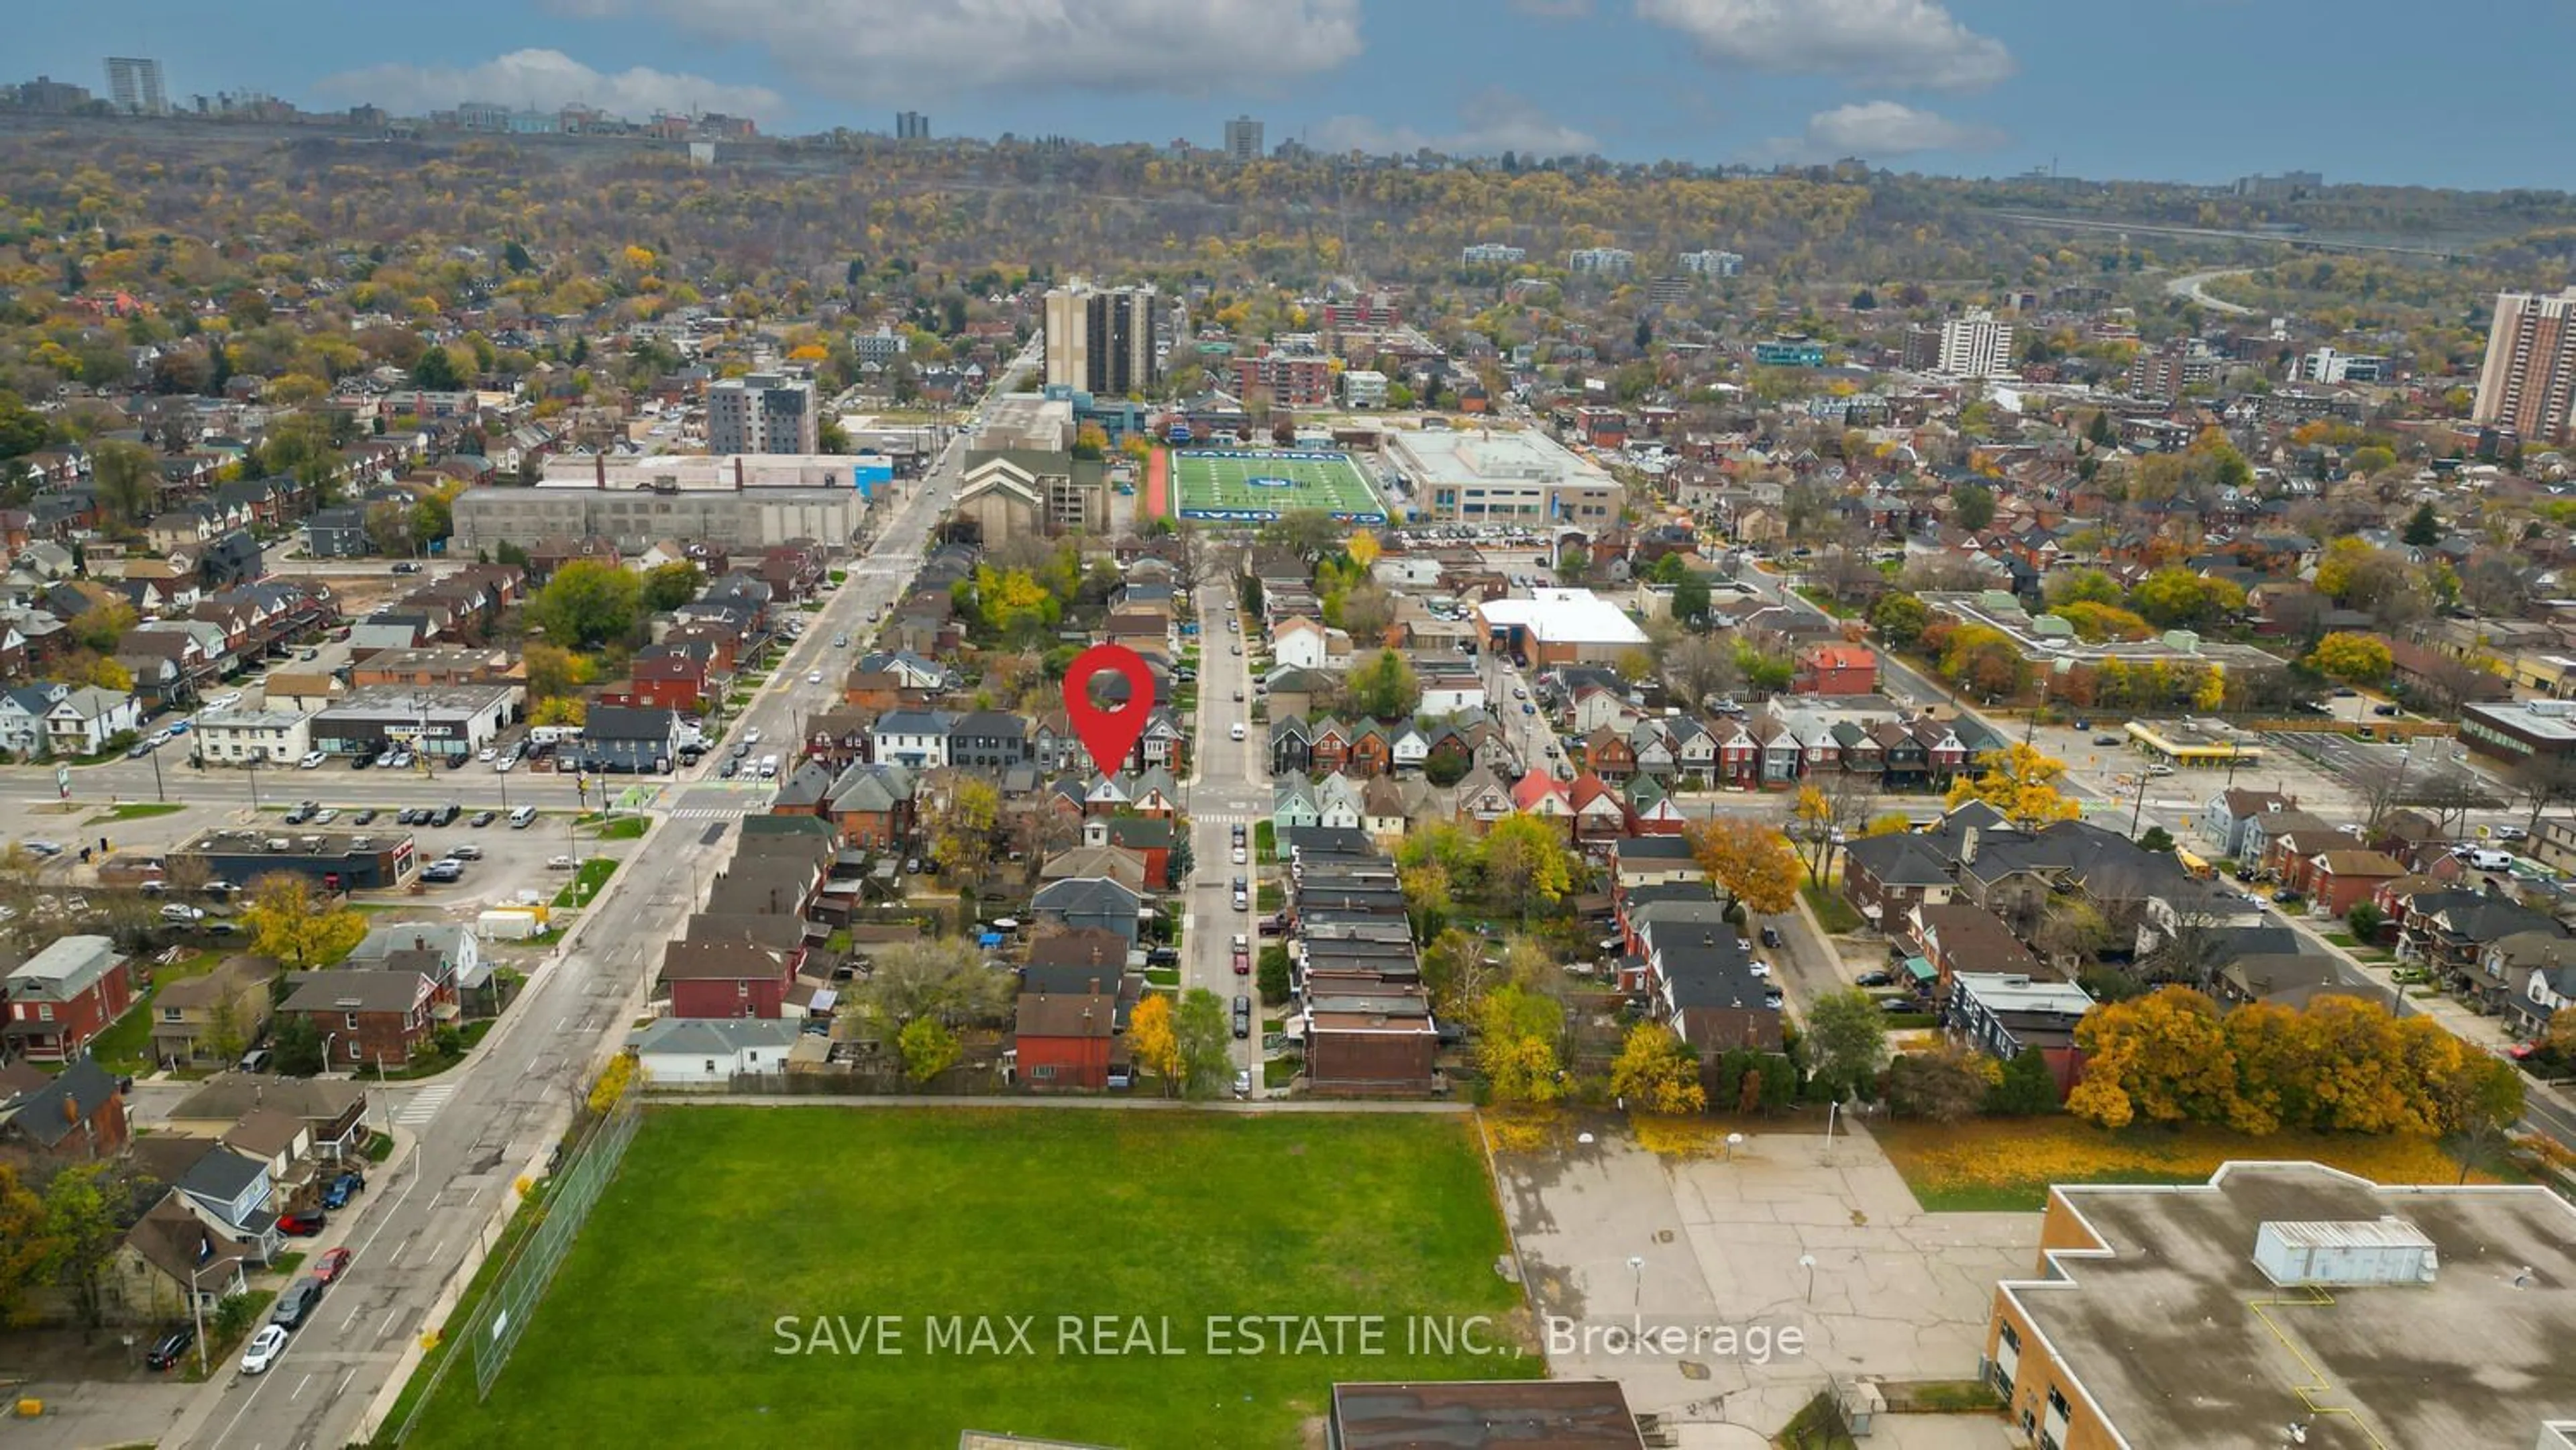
1253	486
664	1325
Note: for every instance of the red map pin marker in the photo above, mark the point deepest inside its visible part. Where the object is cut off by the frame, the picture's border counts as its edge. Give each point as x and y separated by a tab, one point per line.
1109	734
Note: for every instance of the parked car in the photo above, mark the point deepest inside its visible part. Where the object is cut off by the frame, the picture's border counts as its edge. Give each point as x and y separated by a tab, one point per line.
302	1225
296	1303
264	1348
312	760
560	863
446	815
442	871
341	1190
1875	979
1242	1016
1771	936
167	1351
466	852
2106	740
2383	709
326	815
365	817
183	914
406	567
480	819
1243	1082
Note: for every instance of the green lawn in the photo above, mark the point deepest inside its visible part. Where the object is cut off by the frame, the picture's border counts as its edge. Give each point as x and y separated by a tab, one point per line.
624	828
137	811
594	873
661	1327
1832	912
126	1046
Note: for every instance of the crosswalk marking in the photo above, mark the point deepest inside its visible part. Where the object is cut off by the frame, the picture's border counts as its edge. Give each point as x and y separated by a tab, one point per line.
714	813
424	1105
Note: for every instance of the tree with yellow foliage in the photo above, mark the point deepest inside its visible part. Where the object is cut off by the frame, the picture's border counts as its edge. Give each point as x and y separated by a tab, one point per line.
1750	861
1364	548
2021	782
1154	1041
1658	1071
2161	1058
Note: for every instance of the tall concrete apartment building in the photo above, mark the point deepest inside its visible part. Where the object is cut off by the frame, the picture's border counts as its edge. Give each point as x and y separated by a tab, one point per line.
1101	341
1602	261
134	86
911	126
1976	345
763	413
1243	139
2529	377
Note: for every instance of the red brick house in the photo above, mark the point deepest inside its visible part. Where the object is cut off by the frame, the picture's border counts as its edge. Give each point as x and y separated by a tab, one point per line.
1836	669
2341	880
1148	837
73	1116
1609	755
1371	752
64	996
728	978
1066	1040
367	1017
672	681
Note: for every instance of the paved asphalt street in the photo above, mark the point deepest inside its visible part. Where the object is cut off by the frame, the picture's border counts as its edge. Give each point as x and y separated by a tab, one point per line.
482	1125
1229	785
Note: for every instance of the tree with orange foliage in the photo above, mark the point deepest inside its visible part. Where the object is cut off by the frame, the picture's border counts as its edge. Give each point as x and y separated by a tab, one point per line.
1749	860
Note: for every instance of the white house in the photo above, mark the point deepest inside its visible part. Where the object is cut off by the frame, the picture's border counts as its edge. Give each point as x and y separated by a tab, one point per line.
240	737
914	738
23	711
710	1051
83	721
1306	644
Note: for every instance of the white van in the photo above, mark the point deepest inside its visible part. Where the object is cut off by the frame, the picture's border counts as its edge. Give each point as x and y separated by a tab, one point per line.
523	817
2491	860
769	767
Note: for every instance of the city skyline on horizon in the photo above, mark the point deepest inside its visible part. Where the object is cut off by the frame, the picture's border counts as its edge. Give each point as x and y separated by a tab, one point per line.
1972	88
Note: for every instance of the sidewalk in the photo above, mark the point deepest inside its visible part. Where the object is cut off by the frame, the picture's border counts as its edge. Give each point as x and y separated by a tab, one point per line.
1141	1105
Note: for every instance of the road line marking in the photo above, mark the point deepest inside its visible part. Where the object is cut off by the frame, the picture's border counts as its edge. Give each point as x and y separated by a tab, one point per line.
388	1326
563	1022
434	1248
297	1393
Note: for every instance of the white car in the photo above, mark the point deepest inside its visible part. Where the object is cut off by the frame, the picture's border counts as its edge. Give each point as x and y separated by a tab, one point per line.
813	677
751	737
487	755
506	764
1238	856
1237	731
560	863
223	701
312	760
183	913
264	1349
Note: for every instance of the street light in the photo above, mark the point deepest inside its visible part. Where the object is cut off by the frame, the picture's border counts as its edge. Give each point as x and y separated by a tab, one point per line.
1637	1272
328	1038
197	1312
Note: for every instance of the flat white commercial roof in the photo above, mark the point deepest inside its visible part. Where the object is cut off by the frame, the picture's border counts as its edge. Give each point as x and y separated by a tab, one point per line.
1565	616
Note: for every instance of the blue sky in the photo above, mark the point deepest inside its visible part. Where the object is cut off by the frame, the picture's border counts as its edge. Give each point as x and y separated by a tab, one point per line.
2194	90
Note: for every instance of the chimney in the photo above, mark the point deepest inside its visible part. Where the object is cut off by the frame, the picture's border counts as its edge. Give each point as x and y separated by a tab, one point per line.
737	473
1968	847
599	471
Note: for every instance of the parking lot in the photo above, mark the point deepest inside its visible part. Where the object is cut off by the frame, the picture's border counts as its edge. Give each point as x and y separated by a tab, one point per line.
2436	769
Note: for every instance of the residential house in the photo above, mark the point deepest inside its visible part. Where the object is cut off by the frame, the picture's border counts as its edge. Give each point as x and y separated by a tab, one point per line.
24	711
628	739
371	1018
987	741
712	1052
2340	880
1956	937
733	976
207	1020
1836	669
64	996
915	739
872	804
2004	1014
1067	1041
83	721
2227	820
174	1267
1094	903
1886	878
74	1116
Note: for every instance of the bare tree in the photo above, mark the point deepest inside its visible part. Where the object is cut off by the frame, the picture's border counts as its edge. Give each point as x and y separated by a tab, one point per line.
1701	668
2545	783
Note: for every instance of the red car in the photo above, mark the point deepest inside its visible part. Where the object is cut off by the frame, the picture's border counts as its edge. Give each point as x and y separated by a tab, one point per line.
1242	964
332	1264
303	1225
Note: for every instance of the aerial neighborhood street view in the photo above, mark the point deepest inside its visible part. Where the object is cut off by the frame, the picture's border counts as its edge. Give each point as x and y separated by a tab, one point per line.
1667	724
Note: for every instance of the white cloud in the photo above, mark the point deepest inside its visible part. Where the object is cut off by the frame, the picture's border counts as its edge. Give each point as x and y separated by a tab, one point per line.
881	51
1876	130
1489	123
1902	42
546	79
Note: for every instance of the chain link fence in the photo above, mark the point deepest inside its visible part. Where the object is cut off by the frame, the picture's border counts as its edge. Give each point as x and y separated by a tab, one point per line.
495	1329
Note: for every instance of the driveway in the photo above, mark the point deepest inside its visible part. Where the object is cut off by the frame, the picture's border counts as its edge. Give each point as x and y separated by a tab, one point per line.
1718	1250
